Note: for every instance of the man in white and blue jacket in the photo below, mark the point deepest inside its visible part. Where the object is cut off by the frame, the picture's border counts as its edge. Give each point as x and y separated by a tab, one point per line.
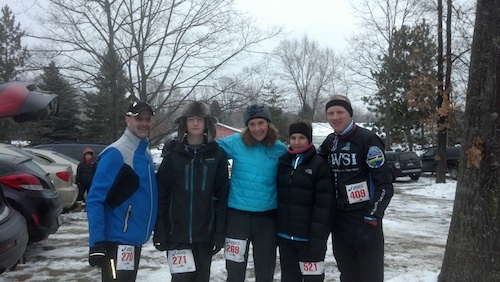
123	199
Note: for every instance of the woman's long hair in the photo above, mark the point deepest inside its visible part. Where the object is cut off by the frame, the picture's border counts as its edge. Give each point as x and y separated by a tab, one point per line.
269	140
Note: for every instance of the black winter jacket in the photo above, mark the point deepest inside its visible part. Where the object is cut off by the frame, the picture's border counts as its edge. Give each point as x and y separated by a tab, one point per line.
192	195
85	173
357	157
306	200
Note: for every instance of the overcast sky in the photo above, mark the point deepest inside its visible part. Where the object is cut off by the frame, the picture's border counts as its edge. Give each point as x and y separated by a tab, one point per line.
328	22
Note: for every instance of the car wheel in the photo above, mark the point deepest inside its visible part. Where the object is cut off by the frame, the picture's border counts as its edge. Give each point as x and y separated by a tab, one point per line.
415	176
12	268
454	172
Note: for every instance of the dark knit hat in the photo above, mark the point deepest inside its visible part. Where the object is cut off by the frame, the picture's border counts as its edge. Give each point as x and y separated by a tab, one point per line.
138	106
200	109
302	127
337	102
256	111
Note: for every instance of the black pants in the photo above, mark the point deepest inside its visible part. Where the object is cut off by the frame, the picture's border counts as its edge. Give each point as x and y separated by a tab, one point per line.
360	265
259	229
121	275
202	254
82	189
291	252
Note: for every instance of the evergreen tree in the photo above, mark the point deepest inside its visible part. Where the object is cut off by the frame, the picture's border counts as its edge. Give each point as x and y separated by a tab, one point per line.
216	110
63	126
12	54
406	83
105	110
272	98
12	58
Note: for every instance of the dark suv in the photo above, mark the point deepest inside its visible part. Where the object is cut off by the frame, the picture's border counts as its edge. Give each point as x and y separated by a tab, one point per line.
404	164
429	162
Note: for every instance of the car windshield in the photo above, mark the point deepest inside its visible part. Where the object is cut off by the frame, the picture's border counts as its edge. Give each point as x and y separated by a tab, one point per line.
408	156
66	157
33	166
29	155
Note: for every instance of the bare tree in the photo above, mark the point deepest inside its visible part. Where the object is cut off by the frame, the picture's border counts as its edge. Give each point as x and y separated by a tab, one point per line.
310	70
181	45
379	20
472	250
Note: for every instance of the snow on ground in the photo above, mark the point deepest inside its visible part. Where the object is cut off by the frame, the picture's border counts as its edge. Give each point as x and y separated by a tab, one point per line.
416	227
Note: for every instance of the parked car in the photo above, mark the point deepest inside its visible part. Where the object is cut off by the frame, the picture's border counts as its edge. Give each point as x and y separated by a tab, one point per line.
429	162
30	191
13	235
55	158
74	150
61	175
404	164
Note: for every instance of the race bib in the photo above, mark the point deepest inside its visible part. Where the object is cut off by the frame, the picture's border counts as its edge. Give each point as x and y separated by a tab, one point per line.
181	261
234	249
312	268
357	192
125	257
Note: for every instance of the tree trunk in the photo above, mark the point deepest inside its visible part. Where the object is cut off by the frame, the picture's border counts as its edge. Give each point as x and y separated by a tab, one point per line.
441	135
473	247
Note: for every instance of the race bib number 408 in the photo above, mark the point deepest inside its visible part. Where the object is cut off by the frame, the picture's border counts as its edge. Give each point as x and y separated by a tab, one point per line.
357	192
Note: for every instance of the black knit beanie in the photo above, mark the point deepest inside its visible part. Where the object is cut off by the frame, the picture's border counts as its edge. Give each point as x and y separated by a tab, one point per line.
256	111
301	127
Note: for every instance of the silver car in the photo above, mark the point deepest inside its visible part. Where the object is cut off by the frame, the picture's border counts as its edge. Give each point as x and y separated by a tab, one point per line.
60	174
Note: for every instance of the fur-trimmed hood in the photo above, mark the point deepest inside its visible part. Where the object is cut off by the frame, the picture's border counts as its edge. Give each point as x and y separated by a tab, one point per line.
196	108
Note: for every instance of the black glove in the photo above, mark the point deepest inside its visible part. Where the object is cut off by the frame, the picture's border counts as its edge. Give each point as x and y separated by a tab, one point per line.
364	237
216	249
97	254
160	246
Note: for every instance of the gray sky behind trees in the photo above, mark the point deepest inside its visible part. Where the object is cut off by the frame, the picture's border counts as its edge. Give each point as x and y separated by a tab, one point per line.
330	23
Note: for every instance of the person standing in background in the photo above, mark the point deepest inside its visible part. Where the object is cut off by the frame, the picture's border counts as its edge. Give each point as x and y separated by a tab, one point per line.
192	191
84	174
305	206
363	184
123	199
252	198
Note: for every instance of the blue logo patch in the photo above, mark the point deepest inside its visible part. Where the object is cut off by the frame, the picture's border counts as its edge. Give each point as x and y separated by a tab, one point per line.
375	157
